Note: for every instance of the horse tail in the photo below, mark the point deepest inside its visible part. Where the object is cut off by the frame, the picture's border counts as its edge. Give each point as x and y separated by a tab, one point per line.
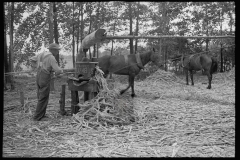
214	65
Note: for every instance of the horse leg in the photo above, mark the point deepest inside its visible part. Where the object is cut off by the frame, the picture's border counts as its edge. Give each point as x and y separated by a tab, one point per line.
191	76
209	79
132	85
186	72
129	84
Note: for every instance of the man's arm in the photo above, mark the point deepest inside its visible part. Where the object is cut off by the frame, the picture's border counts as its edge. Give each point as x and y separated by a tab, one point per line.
55	66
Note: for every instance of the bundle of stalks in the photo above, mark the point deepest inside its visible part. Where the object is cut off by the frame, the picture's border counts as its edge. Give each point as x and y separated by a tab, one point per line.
163	76
105	109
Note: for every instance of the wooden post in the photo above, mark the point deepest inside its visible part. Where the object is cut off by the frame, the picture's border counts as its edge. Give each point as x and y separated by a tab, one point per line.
21	97
165	58
160	47
62	101
75	101
86	96
221	56
89	95
92	95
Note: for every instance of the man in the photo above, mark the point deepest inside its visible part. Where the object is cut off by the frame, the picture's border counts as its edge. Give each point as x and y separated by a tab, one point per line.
45	63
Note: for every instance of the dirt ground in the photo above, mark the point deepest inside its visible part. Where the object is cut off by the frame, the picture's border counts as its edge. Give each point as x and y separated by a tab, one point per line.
174	120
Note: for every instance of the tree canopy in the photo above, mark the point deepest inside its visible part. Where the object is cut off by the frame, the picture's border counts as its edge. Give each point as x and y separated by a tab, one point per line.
31	27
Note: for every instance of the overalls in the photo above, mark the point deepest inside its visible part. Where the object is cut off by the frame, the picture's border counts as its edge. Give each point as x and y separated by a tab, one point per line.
43	90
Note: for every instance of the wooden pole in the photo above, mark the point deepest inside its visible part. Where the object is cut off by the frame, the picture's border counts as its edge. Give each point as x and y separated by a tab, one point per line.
62	100
221	56
166	36
21	97
74	102
160	47
11	58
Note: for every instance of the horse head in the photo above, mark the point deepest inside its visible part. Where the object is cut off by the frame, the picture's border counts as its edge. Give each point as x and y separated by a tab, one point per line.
155	58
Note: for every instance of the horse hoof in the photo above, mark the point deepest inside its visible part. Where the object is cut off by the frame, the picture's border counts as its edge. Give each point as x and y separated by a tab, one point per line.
133	95
187	84
192	84
208	87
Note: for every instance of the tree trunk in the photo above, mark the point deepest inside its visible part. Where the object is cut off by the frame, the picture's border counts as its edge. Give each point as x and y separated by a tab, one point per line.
164	28
114	28
51	22
55	29
52	88
166	57
5	48
80	53
11	55
96	27
5	82
73	42
160	46
5	51
82	23
89	31
232	48
207	40
78	30
220	16
137	28
130	21
97	49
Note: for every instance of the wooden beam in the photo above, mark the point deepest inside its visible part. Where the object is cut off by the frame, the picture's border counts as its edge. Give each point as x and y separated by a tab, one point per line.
165	36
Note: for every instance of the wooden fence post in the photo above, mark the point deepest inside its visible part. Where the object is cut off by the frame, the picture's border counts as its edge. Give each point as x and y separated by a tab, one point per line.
75	101
62	100
21	97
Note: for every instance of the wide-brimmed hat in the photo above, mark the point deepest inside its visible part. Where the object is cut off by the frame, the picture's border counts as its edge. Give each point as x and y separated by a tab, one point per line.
54	46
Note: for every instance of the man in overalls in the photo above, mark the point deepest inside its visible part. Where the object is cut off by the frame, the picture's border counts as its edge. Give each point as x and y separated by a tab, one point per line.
46	64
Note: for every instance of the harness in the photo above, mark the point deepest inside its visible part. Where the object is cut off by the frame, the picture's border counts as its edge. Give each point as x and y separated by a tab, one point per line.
138	59
190	57
139	62
42	58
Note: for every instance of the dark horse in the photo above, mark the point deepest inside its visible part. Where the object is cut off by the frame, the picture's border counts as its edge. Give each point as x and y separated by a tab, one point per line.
127	65
198	62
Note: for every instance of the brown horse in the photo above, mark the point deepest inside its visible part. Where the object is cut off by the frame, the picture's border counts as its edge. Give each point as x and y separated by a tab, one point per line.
127	65
198	62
